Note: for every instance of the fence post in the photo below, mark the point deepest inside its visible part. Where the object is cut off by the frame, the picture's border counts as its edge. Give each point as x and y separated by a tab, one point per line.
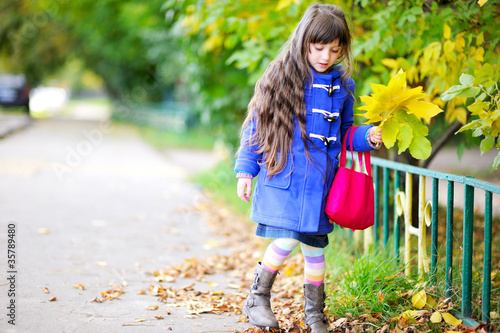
407	216
434	241
467	253
376	203
396	216
487	257
386	206
449	241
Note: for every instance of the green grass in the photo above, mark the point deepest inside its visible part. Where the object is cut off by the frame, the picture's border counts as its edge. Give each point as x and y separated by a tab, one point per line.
221	185
374	282
369	283
104	101
17	110
191	139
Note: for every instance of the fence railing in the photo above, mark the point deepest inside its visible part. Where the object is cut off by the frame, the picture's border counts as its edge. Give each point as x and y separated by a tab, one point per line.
394	188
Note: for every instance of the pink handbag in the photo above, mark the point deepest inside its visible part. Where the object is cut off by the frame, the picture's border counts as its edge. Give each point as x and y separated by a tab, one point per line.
350	201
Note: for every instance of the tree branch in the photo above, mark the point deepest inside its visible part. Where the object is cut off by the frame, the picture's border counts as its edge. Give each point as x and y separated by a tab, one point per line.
441	142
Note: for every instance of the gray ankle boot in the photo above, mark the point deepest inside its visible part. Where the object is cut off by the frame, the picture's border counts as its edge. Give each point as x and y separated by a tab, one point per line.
314	308
258	303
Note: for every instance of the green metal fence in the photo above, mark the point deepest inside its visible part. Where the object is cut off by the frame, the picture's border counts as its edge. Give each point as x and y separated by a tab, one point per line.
390	177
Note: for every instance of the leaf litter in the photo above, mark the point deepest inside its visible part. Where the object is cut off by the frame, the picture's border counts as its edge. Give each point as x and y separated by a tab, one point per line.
287	291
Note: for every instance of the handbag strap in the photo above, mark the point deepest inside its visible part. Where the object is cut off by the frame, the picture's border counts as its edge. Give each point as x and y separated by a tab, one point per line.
349	136
368	163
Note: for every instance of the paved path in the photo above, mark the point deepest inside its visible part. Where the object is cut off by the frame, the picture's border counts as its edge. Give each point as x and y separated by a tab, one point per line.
93	204
10	123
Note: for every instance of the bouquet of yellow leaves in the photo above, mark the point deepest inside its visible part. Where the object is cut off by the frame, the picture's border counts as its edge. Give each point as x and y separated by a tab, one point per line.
400	111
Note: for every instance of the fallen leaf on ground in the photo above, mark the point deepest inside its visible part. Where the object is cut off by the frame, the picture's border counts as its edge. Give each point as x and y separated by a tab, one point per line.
242	319
419	299
436	317
211	244
431	302
164	278
113	293
43	231
450	319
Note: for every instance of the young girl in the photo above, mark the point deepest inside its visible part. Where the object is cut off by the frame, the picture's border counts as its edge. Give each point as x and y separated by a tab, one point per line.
301	109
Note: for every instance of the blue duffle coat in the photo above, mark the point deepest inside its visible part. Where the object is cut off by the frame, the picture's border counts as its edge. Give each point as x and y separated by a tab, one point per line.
294	199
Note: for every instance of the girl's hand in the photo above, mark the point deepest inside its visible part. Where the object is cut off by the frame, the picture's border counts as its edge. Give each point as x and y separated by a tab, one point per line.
244	188
374	135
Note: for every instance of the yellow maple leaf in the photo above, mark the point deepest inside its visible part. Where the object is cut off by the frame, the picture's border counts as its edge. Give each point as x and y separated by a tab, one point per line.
408	314
436	317
396	106
431	302
386	100
422	109
419	299
450	319
413	314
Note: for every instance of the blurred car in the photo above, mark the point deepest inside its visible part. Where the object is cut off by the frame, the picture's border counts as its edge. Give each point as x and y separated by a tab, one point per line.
14	91
48	101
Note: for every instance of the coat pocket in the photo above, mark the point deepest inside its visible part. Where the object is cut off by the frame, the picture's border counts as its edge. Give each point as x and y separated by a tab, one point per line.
283	179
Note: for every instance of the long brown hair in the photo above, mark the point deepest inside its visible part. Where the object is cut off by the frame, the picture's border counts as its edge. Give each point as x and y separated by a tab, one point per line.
279	94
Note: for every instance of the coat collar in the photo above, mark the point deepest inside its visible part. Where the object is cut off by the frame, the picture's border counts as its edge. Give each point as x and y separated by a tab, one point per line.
328	78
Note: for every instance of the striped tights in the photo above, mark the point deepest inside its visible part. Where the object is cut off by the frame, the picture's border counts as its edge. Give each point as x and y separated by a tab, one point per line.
280	248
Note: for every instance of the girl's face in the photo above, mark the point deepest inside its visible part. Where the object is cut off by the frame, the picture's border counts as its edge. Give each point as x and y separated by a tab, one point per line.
322	56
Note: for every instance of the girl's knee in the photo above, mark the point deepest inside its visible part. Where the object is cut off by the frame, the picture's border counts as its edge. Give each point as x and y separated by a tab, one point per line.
312	251
286	243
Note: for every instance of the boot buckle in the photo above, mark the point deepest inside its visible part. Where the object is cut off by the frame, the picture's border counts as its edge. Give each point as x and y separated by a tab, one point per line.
249	302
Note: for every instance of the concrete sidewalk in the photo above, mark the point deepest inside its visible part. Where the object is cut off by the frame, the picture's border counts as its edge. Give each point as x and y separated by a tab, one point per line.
10	123
92	204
